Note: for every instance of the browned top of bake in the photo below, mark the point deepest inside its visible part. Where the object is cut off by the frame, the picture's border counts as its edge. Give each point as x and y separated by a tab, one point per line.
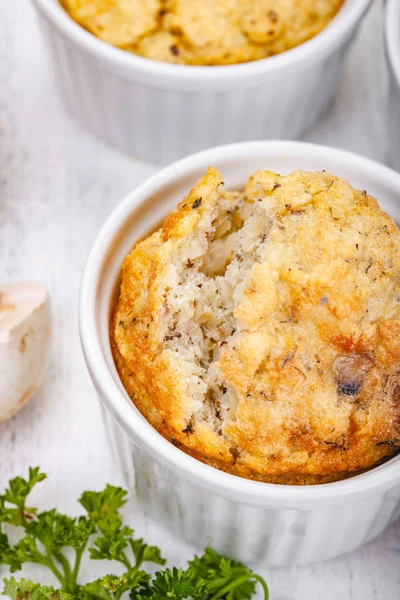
260	331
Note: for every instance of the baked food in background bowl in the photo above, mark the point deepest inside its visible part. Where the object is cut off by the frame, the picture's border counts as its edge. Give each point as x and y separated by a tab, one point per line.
392	42
160	111
242	517
203	32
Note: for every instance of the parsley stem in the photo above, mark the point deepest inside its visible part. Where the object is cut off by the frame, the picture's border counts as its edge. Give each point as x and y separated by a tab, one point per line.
139	561
239	581
70	582
124	560
77	565
47	561
50	564
263	584
139	557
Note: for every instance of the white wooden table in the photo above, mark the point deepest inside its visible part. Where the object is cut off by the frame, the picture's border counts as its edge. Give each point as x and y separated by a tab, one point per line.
57	186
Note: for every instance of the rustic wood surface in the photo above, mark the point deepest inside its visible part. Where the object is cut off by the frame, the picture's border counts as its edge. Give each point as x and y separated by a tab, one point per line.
57	186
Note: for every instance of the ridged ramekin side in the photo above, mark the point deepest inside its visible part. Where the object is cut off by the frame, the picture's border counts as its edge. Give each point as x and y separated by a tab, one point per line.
392	50
161	124
251	534
393	123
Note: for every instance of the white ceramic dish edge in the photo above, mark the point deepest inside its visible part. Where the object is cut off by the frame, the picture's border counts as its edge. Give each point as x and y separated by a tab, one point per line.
161	112
198	502
392	40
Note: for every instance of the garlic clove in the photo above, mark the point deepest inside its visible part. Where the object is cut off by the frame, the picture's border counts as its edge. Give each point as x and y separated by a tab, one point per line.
25	335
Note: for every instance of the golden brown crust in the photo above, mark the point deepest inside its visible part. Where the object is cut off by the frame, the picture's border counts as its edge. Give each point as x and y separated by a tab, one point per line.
203	32
313	359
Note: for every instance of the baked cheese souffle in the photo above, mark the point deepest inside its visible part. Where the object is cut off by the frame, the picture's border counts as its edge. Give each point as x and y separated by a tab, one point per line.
259	330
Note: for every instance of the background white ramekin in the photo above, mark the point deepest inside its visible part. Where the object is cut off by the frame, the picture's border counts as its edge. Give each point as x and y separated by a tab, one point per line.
161	112
249	520
392	39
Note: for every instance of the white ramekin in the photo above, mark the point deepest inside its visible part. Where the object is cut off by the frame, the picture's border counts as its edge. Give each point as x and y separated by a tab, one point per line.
161	112
392	39
248	520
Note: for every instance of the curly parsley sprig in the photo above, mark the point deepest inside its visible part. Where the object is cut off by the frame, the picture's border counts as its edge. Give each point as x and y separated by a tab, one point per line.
51	538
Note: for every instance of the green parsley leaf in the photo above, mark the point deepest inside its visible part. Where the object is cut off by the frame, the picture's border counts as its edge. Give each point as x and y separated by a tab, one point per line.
18	589
45	538
8	555
176	584
2	509
112	546
103	507
20	488
114	586
24	589
227	579
16	495
4	544
55	530
144	553
95	590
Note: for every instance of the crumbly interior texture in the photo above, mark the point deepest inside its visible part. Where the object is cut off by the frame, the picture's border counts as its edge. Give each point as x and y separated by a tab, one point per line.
259	331
203	32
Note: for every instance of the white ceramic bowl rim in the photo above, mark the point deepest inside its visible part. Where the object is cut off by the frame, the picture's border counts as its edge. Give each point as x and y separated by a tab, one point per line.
136	426
392	34
329	38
